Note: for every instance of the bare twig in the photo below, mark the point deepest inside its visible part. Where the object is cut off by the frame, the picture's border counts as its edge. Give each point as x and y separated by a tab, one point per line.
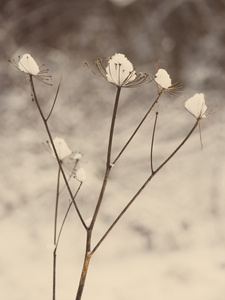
152	142
142	188
56	95
55	234
138	127
55	152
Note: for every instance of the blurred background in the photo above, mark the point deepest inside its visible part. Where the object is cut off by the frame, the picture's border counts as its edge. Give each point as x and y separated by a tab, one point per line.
170	244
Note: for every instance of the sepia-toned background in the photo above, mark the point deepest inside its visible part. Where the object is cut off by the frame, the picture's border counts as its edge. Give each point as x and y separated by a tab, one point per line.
170	244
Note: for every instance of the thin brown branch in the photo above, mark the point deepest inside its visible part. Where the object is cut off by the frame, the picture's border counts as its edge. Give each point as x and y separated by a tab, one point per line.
55	234
55	152
56	95
138	127
152	142
143	187
108	162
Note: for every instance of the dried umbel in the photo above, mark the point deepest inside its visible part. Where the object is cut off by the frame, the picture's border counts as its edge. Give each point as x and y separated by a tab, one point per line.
163	79
196	106
120	72
28	65
68	159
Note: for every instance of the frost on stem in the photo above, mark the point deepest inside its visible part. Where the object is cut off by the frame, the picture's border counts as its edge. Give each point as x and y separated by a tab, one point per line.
120	72
67	158
28	65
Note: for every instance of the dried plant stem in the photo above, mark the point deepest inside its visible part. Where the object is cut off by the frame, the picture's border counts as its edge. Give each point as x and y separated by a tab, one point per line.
55	235
143	187
55	152
138	127
112	127
54	102
89	252
56	239
83	275
108	162
54	275
89	229
152	142
100	198
66	214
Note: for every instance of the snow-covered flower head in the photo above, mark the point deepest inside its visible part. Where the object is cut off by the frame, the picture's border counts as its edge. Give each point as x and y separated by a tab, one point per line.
28	65
67	158
77	155
163	79
196	106
81	175
61	147
120	72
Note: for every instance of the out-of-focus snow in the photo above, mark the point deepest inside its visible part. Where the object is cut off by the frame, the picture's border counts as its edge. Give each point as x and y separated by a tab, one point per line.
169	244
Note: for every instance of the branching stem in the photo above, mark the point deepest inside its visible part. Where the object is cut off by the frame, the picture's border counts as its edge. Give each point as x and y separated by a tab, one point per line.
55	152
100	198
89	229
143	187
138	127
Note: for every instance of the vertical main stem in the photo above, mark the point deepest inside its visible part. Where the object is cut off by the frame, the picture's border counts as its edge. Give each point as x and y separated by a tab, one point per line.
85	265
108	162
112	127
88	253
54	275
55	236
83	276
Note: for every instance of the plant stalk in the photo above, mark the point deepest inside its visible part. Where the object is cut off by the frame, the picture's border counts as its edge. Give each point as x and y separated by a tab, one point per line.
83	276
88	254
55	236
143	187
138	127
108	162
55	152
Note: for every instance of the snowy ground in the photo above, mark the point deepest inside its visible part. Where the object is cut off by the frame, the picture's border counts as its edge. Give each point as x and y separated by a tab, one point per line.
170	244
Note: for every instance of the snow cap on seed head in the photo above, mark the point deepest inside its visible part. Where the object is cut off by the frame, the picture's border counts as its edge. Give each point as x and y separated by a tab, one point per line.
196	106
120	72
28	65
